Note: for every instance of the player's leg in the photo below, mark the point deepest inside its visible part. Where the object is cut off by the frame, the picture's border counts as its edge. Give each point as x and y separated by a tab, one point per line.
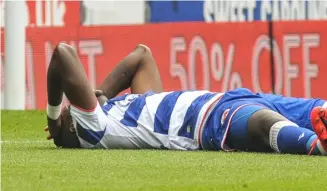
255	128
137	70
283	135
248	132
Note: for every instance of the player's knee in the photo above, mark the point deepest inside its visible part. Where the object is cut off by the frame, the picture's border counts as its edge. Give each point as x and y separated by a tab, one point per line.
261	121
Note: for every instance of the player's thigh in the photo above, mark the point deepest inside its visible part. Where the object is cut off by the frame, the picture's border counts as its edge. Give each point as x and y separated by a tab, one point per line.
250	127
147	77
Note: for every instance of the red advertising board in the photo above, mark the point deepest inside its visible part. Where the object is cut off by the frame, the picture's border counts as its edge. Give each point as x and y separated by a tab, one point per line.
49	13
54	13
218	57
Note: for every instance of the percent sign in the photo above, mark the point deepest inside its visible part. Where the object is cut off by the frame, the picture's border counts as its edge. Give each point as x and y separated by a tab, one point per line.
216	66
230	80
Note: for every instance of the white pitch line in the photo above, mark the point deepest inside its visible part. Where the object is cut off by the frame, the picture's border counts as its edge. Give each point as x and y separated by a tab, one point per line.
24	142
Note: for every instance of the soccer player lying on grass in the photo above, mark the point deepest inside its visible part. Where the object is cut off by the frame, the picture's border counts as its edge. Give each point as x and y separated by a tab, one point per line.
180	120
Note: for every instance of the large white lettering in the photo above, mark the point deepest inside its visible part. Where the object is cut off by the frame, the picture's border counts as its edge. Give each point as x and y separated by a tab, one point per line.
198	45
263	43
291	70
310	69
176	69
91	48
50	13
30	99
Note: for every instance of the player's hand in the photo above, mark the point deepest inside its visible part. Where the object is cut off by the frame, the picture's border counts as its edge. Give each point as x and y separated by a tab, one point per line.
98	93
100	96
53	127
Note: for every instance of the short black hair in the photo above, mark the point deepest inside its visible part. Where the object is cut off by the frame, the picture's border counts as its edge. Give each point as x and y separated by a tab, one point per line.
67	136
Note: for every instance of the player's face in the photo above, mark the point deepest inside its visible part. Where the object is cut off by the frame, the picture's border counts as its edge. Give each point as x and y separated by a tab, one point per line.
69	137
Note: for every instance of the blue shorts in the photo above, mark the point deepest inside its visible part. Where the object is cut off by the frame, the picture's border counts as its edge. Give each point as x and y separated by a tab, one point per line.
232	112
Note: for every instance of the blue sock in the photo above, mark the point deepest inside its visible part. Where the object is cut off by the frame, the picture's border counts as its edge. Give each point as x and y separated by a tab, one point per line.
295	140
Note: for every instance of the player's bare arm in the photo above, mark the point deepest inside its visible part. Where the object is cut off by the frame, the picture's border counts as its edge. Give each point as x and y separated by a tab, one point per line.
138	71
66	75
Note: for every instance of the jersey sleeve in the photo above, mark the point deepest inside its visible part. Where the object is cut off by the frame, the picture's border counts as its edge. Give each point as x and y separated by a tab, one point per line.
91	125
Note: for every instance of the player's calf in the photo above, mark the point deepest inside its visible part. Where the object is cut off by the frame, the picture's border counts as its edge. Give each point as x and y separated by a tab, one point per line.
266	130
287	137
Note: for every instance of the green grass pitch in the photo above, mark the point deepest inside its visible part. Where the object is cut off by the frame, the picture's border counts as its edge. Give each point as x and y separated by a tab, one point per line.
29	162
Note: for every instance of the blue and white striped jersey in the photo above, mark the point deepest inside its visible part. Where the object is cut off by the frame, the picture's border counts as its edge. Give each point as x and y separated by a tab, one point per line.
183	120
169	120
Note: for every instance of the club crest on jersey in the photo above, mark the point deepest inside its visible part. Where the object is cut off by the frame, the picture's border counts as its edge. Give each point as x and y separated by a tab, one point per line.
128	100
223	117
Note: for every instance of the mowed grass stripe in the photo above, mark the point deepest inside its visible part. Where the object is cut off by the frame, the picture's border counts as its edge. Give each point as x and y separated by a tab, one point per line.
39	165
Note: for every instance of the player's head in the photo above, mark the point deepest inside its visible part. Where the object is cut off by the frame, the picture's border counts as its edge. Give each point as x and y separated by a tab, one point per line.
67	137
